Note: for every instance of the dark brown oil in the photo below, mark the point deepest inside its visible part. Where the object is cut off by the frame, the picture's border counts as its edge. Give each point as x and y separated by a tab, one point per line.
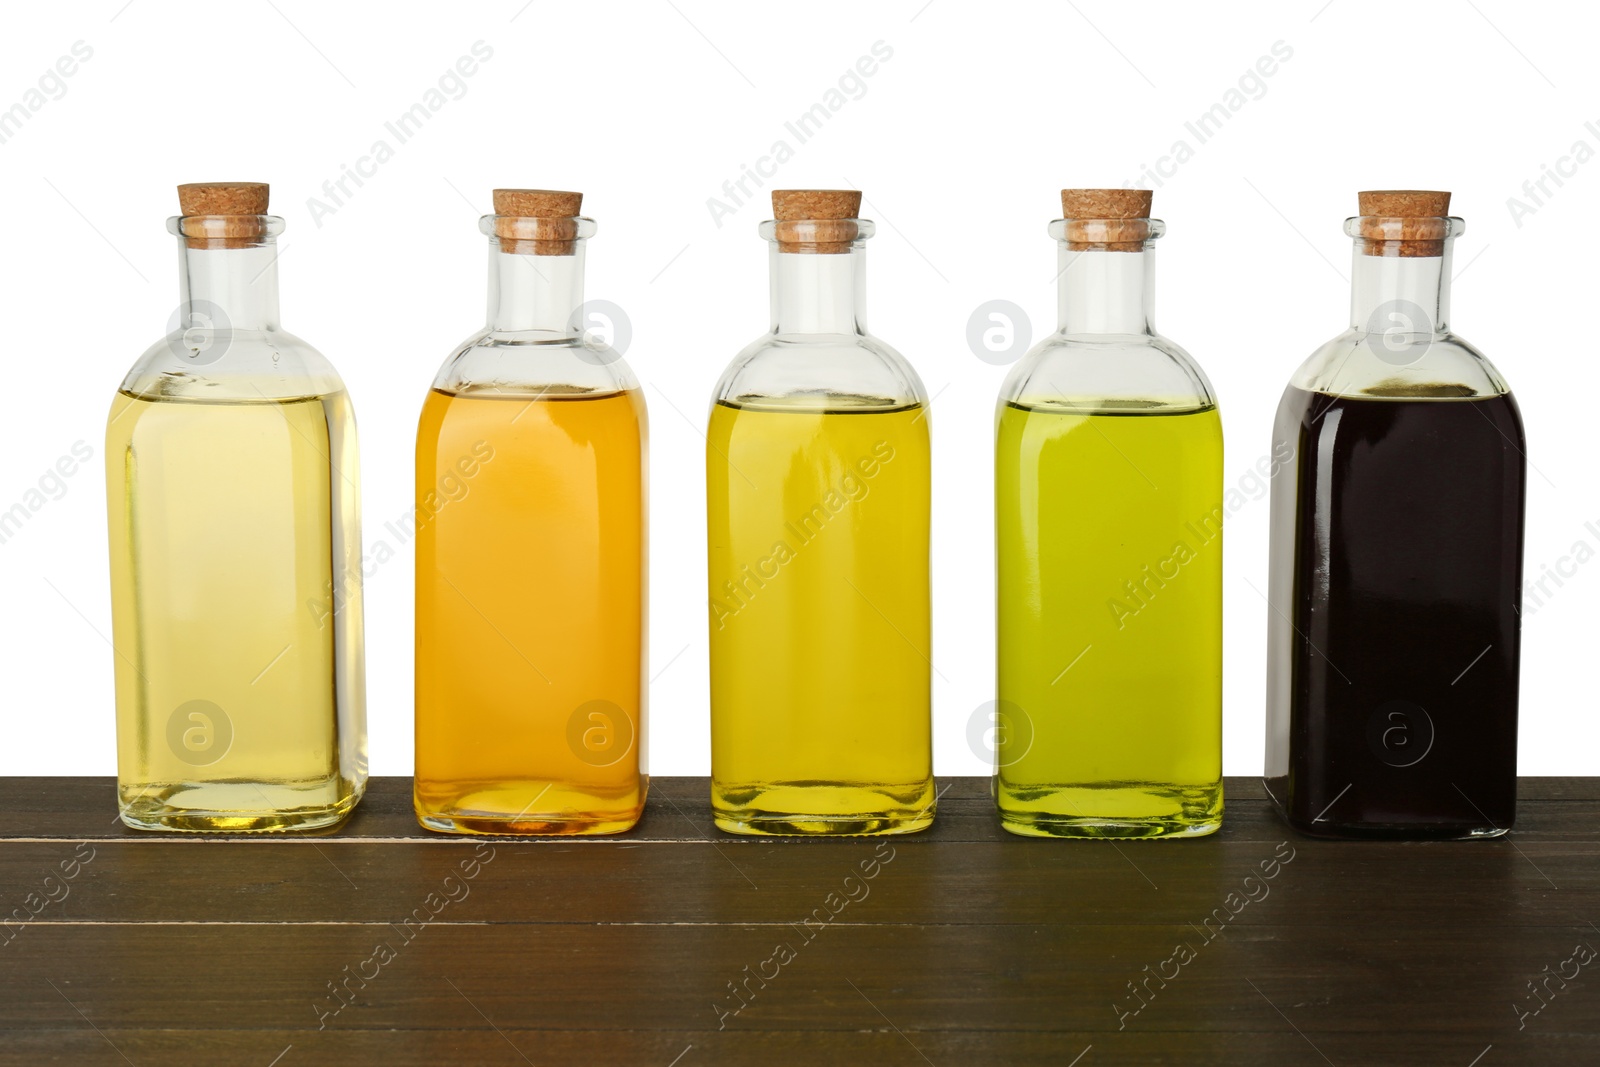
1399	674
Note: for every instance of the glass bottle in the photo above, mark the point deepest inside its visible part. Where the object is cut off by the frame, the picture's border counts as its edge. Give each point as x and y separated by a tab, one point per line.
1108	532
1397	520
233	495
817	503
531	553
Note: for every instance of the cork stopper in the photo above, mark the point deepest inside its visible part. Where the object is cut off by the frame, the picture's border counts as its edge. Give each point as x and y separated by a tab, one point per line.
1403	222
1404	203
822	221
1106	220
223	214
537	222
223	198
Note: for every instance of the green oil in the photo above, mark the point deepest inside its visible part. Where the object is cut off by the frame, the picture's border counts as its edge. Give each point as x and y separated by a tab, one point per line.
1109	546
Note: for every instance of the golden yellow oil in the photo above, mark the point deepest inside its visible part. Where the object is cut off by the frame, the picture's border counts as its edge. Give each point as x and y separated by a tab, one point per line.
818	528
530	626
1109	548
236	611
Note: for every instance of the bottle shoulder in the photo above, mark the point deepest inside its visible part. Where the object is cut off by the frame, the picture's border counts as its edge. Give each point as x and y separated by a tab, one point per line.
1109	371
207	364
517	363
860	367
1362	363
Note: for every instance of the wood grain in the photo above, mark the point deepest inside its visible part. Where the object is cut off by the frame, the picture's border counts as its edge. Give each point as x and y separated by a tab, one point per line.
964	945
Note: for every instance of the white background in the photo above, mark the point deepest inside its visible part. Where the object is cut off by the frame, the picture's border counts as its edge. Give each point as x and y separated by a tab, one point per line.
960	141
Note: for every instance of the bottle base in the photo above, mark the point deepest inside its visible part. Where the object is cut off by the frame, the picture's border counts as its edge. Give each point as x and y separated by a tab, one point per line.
1121	811
1428	817
1093	829
813	826
822	809
541	826
1390	831
218	807
529	809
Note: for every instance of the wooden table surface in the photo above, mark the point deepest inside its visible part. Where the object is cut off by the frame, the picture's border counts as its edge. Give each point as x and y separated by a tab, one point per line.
383	943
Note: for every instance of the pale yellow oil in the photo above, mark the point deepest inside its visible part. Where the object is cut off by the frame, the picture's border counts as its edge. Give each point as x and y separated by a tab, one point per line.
236	611
1109	543
819	618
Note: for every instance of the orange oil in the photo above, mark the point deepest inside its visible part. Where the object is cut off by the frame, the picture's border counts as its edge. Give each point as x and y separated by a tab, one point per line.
530	612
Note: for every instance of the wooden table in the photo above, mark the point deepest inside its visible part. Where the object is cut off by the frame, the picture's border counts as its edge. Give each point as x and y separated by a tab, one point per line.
679	945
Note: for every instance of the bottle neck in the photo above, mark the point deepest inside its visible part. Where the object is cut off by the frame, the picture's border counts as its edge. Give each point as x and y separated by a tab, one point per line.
819	293
1101	292
534	293
228	288
1409	294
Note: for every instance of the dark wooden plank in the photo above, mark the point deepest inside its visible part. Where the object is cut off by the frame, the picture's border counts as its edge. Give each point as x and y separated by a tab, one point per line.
967	945
679	809
883	1045
1505	883
678	869
1335	989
